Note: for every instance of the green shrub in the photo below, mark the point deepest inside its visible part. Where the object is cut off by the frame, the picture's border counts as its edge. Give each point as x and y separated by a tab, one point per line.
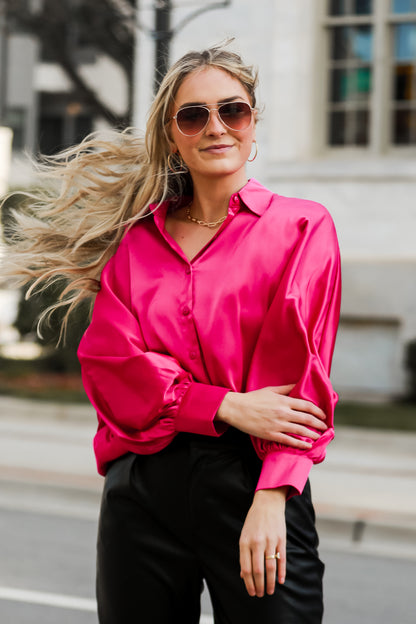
410	363
62	355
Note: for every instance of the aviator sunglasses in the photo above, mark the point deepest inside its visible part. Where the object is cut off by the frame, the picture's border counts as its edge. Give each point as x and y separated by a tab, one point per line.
192	120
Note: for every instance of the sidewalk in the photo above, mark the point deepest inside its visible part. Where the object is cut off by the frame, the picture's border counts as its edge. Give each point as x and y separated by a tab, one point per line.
364	492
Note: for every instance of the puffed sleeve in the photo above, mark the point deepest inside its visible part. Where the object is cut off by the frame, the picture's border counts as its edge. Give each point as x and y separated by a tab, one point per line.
296	345
142	398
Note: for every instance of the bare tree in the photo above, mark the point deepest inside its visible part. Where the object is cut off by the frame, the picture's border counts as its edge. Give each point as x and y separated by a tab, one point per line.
62	26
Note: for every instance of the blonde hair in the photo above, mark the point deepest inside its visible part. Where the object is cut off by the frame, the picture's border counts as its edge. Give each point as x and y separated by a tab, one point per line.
97	189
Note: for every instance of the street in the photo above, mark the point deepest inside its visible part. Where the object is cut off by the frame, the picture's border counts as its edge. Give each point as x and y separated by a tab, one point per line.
47	572
49	500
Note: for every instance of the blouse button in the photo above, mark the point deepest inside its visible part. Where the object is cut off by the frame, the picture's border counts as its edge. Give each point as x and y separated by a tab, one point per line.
188	270
185	311
192	355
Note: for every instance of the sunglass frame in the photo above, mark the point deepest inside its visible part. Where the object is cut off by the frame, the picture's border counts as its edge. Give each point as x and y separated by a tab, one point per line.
217	109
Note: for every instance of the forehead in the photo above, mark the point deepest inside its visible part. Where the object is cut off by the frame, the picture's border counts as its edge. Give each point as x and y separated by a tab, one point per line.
208	86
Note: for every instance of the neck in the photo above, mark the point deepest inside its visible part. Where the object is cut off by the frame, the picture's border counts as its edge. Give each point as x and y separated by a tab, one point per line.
211	197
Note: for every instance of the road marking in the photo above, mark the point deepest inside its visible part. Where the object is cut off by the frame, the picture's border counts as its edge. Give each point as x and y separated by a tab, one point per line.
51	600
60	601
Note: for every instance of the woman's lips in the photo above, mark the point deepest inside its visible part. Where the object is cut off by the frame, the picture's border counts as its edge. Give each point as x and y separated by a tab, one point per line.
217	149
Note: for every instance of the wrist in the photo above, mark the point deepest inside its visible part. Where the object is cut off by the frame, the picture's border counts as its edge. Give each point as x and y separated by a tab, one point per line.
277	495
227	408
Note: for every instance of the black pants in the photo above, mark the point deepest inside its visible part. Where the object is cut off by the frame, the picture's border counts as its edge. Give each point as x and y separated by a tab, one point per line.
172	519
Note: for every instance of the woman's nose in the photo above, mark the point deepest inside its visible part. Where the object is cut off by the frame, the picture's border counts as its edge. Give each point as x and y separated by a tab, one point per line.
215	125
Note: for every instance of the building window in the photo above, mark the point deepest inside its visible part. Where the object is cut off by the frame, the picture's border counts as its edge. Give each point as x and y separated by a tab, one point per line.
350	7
404	6
404	81
371	102
57	132
62	122
78	48
350	84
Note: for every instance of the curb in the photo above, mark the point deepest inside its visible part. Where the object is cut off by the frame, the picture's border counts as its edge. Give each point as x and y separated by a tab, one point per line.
339	529
49	410
381	538
69	500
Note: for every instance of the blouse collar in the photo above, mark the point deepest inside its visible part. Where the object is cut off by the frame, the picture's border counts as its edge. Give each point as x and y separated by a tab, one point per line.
253	195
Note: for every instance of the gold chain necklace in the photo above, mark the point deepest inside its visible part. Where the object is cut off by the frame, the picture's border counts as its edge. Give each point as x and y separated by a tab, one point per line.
209	224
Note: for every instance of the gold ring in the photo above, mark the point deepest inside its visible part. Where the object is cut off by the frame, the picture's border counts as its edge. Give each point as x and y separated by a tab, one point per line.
275	556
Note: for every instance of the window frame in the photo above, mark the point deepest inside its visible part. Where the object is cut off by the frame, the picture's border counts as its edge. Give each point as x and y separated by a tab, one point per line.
381	104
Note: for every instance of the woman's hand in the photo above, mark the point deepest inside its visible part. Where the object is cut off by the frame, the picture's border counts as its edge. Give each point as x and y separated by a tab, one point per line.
263	535
272	415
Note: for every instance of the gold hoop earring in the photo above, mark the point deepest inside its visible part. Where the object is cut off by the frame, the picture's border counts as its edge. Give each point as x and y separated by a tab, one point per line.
176	164
255	153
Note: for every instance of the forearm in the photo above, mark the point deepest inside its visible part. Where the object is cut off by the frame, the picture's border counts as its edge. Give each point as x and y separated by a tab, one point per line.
270	414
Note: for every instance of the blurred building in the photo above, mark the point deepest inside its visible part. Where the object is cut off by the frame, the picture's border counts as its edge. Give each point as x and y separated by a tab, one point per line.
338	86
43	107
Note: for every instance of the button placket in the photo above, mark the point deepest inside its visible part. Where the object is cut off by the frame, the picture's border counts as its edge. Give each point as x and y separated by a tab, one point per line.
186	311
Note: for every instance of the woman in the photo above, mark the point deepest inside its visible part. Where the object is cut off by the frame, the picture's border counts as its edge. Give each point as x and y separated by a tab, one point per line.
207	358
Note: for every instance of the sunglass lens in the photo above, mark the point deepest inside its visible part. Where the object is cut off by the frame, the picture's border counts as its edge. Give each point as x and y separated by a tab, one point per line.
235	115
192	120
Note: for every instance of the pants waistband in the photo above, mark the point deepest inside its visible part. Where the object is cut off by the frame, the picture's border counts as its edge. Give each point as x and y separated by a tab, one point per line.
232	439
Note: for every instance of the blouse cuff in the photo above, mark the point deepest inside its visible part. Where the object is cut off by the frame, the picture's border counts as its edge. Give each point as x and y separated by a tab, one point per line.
285	469
197	410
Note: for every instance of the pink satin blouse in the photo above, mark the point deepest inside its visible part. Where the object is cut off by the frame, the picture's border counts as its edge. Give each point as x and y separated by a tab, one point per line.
257	306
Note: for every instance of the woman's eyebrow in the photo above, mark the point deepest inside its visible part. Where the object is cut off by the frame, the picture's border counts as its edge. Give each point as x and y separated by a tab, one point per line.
224	101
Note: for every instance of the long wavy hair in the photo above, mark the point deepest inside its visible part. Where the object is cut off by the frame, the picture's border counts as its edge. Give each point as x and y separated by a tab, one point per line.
92	192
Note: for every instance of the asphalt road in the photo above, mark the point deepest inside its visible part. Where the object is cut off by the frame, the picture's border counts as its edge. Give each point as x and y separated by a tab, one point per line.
47	575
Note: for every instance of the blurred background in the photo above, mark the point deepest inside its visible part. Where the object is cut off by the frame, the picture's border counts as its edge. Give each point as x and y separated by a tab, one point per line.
338	91
338	125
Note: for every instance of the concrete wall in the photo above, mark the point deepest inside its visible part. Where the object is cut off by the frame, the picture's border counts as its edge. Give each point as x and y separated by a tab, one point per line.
21	91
